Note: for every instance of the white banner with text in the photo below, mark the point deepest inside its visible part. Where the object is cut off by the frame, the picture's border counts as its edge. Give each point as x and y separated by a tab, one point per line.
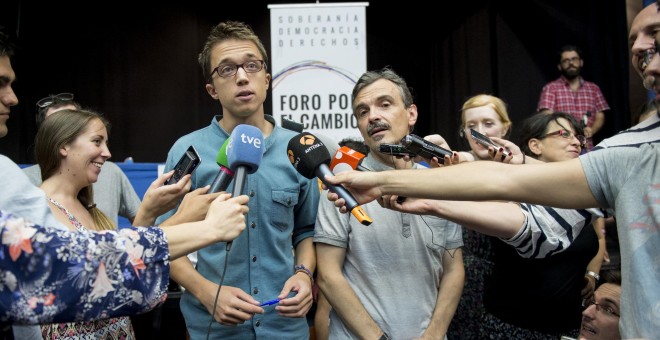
318	52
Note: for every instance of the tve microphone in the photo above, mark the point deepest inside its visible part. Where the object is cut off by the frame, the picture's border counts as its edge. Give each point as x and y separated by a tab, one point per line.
346	159
225	175
310	157
244	153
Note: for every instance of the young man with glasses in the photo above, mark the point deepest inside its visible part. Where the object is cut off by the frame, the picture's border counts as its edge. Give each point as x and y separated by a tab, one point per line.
600	318
274	257
572	94
113	192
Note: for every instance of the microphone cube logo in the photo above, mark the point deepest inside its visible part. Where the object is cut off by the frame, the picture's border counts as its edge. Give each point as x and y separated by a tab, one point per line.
307	140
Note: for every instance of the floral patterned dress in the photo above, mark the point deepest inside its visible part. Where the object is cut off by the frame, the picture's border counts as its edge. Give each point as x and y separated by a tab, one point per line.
53	275
113	328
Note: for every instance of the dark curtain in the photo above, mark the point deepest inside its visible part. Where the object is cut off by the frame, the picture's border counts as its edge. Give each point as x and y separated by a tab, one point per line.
139	67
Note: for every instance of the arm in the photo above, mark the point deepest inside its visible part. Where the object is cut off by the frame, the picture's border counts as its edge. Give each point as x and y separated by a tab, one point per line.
595	263
341	296
449	294
322	317
563	184
233	306
599	121
193	207
28	249
498	219
298	305
129	201
161	198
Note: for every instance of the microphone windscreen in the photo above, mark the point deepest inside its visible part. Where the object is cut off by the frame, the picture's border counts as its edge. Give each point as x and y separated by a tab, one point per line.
245	148
345	159
221	158
306	152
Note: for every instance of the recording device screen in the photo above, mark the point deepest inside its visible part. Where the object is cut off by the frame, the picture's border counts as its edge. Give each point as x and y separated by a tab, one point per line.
186	165
394	149
482	139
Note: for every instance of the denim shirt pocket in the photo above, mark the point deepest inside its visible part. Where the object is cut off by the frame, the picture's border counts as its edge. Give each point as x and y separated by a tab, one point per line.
282	209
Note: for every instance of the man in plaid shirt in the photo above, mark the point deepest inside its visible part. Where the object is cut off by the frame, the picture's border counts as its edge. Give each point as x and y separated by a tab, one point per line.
571	94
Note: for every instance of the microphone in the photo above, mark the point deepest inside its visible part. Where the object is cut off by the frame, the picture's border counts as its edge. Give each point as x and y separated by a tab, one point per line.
244	153
347	159
310	158
421	147
225	175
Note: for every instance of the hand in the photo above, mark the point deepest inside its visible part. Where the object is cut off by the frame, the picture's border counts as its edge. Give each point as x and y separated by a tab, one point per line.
226	216
160	198
589	285
163	198
298	305
409	205
588	132
508	153
195	205
365	187
233	307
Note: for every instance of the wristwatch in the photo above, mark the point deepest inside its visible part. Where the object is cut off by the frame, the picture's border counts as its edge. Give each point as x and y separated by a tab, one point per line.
592	274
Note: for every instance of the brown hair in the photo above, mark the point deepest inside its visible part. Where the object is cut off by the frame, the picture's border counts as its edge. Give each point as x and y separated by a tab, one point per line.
60	129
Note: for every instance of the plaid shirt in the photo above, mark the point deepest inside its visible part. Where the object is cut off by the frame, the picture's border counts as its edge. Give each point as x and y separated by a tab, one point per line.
557	96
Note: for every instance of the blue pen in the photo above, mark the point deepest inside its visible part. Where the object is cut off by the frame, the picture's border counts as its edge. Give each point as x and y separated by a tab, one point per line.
269	303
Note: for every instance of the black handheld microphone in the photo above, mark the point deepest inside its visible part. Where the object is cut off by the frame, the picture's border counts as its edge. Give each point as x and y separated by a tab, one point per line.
225	175
421	147
311	158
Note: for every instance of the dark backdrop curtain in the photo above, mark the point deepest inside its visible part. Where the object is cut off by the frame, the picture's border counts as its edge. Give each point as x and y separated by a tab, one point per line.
139	67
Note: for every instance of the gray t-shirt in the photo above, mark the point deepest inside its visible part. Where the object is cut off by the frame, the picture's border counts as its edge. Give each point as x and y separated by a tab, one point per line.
20	197
627	180
394	265
113	192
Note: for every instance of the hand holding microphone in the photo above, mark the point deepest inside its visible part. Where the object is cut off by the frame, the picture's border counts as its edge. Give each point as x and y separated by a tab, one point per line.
310	157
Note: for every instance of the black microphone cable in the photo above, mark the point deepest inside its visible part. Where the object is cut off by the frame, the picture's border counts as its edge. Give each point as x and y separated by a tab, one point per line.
217	294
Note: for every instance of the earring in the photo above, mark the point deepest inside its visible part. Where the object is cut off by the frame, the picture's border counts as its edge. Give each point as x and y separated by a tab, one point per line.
461	133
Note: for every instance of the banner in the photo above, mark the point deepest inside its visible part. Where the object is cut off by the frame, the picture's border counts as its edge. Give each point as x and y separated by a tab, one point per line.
318	52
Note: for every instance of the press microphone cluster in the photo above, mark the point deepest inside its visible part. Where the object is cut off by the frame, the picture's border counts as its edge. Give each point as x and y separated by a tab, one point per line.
310	157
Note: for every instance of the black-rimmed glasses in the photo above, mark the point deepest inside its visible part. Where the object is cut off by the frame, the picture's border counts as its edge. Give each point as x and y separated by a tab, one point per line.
225	70
48	101
568	135
600	308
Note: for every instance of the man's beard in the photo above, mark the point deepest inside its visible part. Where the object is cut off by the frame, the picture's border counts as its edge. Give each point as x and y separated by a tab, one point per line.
571	73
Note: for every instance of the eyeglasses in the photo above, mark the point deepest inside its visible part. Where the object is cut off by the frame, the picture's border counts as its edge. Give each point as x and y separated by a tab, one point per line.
571	60
646	56
48	101
229	69
568	135
600	308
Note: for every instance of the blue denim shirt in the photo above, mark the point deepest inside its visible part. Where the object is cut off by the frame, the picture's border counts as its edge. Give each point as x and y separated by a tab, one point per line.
283	206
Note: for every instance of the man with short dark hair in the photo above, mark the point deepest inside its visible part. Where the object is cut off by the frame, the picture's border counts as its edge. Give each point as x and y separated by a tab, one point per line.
571	94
